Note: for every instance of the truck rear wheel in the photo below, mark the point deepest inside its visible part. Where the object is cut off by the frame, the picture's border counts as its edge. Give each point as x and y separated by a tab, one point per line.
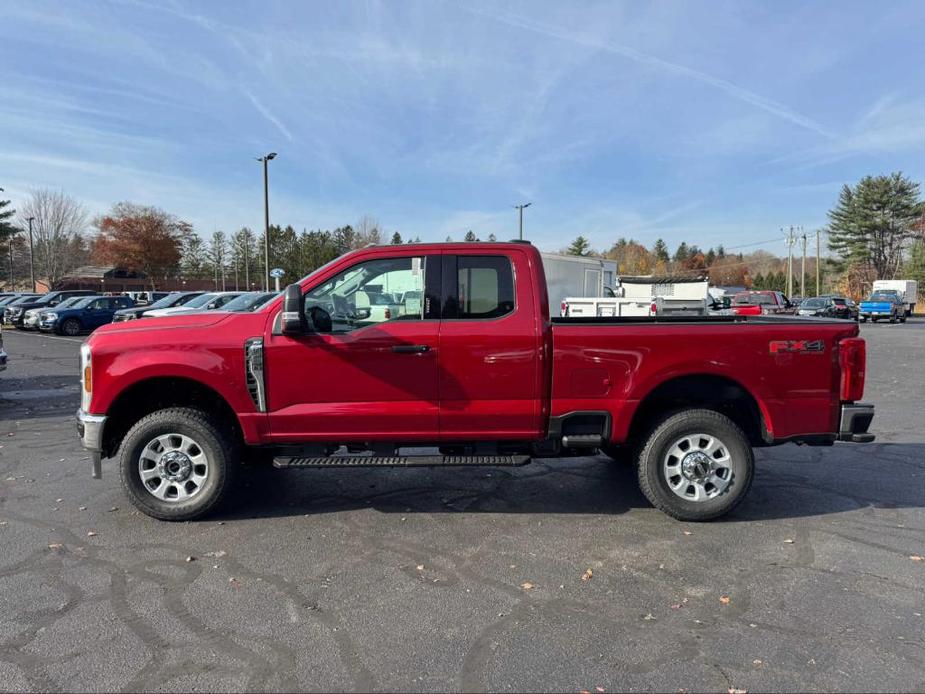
178	463
696	465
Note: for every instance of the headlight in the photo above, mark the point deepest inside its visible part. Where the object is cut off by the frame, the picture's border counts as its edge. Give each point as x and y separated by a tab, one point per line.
86	377
48	316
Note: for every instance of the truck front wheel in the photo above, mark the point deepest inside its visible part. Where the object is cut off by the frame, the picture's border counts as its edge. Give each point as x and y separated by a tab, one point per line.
178	463
696	465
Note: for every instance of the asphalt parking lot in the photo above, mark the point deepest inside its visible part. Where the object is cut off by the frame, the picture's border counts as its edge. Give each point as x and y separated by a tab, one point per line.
472	580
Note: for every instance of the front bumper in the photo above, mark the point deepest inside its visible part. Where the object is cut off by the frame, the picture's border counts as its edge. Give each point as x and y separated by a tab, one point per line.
90	429
47	325
30	323
855	421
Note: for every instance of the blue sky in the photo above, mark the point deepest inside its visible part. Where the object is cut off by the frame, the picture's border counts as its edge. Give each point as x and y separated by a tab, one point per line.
710	122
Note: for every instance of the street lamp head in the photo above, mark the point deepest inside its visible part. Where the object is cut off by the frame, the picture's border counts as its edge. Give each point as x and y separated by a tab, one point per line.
271	155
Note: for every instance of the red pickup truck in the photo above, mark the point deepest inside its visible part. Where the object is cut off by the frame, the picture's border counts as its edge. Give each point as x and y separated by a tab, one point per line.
761	303
450	348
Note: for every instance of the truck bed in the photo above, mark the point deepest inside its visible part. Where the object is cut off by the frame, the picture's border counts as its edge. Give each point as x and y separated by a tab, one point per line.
789	366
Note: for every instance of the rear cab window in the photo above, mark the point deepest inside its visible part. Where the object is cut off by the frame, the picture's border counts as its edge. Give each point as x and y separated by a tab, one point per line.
478	287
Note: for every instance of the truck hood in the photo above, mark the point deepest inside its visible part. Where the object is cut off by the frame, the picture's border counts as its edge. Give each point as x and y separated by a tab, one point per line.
183	320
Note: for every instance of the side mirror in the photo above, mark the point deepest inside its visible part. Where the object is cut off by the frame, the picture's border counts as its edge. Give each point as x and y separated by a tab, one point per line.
292	321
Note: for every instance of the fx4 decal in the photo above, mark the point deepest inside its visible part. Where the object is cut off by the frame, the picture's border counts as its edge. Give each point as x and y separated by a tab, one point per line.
787	346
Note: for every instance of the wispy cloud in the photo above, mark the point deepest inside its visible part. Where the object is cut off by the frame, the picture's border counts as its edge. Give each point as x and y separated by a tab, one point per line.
735	91
265	112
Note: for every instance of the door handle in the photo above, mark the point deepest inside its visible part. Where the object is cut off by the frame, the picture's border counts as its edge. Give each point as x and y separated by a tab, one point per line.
411	349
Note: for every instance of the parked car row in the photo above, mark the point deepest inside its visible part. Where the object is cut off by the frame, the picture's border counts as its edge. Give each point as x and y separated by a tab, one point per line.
79	311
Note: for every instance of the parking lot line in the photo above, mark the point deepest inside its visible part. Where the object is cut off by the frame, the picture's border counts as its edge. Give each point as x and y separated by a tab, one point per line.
41	335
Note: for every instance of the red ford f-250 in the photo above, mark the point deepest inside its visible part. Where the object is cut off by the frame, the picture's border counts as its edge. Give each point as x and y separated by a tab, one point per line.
451	347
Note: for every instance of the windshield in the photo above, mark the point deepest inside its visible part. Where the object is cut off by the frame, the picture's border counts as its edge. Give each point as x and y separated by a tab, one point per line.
813	303
23	300
200	300
172	299
753	299
249	302
74	302
7	300
882	296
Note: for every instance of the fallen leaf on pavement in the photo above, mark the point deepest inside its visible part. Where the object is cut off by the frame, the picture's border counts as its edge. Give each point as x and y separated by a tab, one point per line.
586	576
687	532
419	567
55	545
91	533
916	557
218	553
191	559
788	541
649	617
734	690
526	585
725	599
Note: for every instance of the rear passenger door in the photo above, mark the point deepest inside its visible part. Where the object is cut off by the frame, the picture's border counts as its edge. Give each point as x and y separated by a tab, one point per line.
489	358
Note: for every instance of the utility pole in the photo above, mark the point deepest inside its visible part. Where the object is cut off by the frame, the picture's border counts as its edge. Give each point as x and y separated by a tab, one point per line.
803	266
520	210
266	219
31	256
791	239
12	284
818	261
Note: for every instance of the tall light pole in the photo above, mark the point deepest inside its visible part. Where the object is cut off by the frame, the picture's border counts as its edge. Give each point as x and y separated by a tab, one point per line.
803	266
31	255
791	239
818	260
266	219
520	210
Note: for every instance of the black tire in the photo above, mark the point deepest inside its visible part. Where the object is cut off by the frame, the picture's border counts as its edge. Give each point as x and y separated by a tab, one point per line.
212	436
655	485
892	318
71	327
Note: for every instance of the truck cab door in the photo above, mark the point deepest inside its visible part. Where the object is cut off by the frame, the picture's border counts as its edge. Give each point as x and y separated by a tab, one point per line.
491	349
362	372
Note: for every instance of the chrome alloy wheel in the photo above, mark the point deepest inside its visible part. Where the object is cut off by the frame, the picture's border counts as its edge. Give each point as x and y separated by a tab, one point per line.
697	467
173	467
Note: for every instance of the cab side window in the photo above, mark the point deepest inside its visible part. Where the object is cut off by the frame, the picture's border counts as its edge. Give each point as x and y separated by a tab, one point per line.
377	291
484	287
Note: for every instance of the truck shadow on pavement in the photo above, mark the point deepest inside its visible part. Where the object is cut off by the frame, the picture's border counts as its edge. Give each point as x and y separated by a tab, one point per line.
791	482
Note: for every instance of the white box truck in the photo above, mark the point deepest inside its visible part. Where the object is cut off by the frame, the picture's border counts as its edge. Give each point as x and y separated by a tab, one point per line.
574	275
908	290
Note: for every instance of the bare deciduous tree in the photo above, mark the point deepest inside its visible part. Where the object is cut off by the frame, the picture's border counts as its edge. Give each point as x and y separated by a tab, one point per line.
368	230
58	222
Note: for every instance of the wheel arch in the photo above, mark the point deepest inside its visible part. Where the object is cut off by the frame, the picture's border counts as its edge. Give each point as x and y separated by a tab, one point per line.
704	390
155	393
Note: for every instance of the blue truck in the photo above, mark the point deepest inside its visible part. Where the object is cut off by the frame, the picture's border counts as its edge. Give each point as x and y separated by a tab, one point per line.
883	303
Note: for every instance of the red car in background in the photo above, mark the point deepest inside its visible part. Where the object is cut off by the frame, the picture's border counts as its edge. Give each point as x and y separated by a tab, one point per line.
761	303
